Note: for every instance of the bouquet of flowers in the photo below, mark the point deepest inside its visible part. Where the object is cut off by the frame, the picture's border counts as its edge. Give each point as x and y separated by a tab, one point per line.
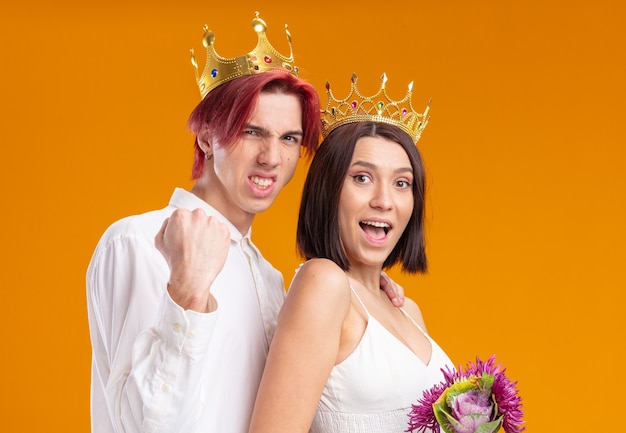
478	399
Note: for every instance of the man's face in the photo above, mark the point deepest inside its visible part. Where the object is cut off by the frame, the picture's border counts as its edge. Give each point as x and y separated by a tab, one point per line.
251	172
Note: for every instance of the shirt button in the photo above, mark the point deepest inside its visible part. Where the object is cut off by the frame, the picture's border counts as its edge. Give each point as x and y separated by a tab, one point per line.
165	387
177	327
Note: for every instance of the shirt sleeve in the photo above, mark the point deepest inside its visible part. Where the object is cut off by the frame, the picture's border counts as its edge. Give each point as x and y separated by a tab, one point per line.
148	353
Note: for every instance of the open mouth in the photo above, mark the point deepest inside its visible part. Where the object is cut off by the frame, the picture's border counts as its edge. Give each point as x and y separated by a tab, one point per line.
375	229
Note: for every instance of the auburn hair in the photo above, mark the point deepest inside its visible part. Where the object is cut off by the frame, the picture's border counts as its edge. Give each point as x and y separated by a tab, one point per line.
226	110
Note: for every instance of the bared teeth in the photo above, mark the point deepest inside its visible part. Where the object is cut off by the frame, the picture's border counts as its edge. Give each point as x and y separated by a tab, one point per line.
261	182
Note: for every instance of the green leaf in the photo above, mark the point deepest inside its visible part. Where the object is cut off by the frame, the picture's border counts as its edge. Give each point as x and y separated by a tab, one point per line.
443	418
490	427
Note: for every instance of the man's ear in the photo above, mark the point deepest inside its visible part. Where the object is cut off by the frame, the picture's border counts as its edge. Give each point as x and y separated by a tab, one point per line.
204	142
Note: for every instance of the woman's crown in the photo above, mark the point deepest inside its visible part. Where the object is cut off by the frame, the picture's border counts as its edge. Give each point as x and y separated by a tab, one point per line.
377	108
264	57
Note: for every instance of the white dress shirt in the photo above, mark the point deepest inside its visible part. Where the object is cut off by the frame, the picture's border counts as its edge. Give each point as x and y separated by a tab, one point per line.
158	368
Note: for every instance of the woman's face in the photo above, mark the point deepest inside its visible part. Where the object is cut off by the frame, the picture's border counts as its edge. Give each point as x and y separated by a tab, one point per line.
376	202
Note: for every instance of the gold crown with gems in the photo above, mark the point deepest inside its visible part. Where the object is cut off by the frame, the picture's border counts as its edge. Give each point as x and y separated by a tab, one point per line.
377	108
264	57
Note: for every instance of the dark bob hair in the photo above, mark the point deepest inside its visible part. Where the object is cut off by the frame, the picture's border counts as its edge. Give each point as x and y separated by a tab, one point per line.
318	223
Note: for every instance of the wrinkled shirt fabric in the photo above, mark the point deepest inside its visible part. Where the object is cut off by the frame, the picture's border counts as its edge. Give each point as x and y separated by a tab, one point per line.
159	368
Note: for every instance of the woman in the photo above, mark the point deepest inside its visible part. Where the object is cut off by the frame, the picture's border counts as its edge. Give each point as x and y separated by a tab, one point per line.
343	358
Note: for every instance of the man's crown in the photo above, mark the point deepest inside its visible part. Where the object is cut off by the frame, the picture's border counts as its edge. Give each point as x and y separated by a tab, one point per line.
264	57
377	108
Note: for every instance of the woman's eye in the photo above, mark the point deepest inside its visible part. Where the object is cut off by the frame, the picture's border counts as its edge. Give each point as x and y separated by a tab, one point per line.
361	178
404	183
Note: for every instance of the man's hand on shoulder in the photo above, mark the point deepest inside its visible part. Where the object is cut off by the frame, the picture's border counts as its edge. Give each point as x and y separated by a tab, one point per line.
392	289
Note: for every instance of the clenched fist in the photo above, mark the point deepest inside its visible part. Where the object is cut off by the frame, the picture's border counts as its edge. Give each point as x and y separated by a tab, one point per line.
195	246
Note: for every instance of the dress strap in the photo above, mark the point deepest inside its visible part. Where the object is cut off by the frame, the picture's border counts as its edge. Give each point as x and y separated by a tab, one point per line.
360	302
408	316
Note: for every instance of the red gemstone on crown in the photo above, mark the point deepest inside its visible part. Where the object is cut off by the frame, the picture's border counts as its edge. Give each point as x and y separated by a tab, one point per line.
267	59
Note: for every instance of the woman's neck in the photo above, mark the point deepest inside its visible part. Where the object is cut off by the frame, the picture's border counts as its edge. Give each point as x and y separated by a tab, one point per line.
366	276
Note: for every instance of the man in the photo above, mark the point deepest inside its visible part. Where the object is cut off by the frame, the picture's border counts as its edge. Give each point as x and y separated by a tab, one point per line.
181	304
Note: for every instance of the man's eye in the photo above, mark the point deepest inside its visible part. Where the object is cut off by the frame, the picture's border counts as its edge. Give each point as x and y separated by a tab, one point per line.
253	133
292	139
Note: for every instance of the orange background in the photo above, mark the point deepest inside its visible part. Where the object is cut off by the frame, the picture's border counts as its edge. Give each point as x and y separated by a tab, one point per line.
525	154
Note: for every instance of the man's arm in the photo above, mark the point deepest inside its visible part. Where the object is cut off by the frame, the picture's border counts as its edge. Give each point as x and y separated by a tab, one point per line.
146	367
195	247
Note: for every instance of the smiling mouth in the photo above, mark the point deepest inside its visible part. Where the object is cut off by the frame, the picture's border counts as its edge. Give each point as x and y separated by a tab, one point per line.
261	182
375	229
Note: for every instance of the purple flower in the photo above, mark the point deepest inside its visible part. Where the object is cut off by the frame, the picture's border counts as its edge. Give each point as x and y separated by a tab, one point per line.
478	399
467	406
422	418
472	409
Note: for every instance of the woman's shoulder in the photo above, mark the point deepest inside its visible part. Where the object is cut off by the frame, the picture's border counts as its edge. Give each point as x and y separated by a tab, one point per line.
322	269
323	275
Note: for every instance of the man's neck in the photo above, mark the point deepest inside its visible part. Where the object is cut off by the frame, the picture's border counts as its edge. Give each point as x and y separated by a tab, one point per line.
241	220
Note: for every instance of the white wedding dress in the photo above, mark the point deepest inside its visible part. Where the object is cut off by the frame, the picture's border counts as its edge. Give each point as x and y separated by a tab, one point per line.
372	390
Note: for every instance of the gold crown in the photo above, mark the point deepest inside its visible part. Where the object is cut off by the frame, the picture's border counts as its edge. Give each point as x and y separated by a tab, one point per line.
264	57
377	108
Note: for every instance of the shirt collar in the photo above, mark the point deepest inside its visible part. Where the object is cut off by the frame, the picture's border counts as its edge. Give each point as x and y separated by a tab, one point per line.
187	200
